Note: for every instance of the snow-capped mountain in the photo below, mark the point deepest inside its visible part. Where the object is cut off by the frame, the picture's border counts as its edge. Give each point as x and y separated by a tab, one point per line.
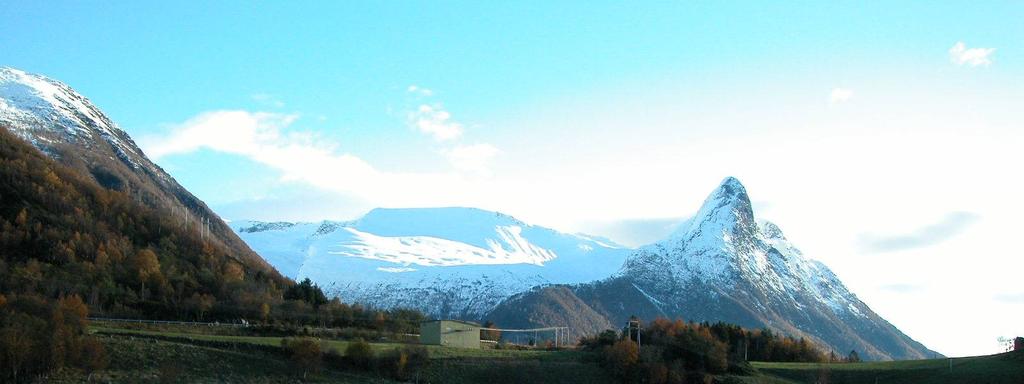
722	265
67	127
449	262
723	246
48	113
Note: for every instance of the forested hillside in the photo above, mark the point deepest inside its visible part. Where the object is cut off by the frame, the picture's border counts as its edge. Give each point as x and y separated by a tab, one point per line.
65	126
62	234
70	248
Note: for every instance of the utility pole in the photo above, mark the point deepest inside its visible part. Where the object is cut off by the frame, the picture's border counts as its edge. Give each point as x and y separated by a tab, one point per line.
630	326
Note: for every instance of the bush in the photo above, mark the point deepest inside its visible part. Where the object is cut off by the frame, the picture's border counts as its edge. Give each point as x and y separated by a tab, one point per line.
622	357
359	354
305	353
597	342
404	363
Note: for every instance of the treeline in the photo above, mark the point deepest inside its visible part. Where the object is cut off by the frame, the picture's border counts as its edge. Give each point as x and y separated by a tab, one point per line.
306	304
678	351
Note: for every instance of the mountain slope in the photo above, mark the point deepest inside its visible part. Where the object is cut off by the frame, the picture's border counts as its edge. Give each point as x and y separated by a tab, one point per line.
449	262
722	265
67	127
62	234
553	305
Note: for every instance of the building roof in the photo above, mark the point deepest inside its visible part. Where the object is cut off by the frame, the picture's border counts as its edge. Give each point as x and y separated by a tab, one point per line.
455	321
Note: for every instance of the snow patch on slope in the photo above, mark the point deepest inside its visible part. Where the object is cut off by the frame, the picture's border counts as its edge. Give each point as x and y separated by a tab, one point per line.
509	248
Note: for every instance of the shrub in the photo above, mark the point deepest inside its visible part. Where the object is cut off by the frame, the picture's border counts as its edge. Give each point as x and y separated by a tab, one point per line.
403	363
597	342
622	358
359	354
305	353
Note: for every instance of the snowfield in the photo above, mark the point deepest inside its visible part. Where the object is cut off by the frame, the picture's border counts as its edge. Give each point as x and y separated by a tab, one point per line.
418	257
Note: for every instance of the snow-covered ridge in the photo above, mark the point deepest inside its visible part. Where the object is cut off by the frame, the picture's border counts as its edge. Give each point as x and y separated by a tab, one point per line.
393	257
724	245
37	107
434	237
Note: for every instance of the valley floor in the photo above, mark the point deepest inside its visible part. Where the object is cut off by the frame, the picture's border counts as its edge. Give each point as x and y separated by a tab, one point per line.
1002	368
177	355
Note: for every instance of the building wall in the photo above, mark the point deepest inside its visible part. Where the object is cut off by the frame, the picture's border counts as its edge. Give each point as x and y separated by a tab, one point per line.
430	333
450	333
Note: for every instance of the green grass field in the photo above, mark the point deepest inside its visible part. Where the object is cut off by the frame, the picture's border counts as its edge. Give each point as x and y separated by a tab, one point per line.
1002	368
177	355
139	360
436	351
449	365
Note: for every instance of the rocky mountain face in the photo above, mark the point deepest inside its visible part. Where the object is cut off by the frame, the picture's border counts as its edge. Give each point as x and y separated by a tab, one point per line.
449	262
723	265
67	127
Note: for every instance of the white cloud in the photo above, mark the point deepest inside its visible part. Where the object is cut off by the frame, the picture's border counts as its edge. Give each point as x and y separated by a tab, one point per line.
237	132
840	95
415	89
267	99
472	158
434	120
303	157
961	55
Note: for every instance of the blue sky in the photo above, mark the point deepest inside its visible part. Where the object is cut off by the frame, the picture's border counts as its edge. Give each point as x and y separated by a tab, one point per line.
872	133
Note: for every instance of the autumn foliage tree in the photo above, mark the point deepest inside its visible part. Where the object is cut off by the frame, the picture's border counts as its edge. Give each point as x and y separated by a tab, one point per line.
490	334
674	351
622	357
38	335
61	233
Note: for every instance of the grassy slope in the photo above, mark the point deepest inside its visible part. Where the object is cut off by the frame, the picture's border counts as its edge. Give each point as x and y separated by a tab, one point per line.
137	356
436	351
137	360
450	365
1001	368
